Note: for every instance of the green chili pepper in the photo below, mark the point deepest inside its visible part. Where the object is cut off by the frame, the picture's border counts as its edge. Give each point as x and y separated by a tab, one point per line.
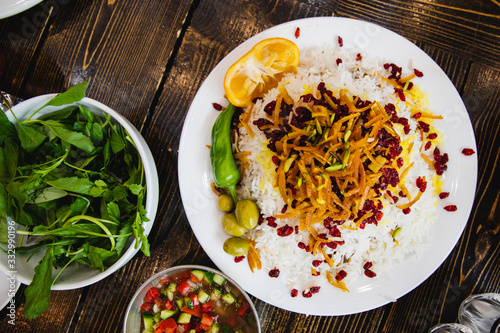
225	171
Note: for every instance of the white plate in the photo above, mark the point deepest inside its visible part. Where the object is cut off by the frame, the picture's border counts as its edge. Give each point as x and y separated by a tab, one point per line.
73	277
195	174
13	7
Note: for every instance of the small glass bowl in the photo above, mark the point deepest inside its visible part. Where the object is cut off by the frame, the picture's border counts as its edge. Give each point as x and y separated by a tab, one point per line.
132	321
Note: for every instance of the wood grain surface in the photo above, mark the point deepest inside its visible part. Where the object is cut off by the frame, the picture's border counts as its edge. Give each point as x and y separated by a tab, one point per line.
147	59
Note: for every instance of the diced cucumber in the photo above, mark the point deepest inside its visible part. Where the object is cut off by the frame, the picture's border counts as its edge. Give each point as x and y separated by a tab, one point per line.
229	298
188	302
198	274
148	323
215	294
165	314
184	318
180	303
203	297
172	287
219	279
214	328
169	294
209	277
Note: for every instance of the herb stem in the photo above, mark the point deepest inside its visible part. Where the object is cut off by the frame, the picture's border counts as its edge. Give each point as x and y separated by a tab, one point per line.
67	264
96	221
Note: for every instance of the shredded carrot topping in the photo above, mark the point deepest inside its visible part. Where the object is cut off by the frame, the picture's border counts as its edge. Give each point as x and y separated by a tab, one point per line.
338	284
253	256
333	160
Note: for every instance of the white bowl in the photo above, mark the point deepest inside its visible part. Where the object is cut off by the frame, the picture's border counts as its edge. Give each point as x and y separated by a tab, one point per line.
132	321
71	277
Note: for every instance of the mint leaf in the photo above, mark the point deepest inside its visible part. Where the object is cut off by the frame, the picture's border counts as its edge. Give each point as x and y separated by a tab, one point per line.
49	194
6	128
30	138
38	292
72	184
72	95
75	138
11	151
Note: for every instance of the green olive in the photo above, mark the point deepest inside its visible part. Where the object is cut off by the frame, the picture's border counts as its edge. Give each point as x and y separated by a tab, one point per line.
226	203
247	213
231	225
236	246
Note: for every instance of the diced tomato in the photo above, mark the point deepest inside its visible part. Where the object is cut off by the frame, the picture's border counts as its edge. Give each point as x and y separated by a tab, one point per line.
164	281
194	278
183	328
151	295
167	326
195	300
159	303
194	311
243	309
184	288
206	307
204	327
147	307
169	305
206	320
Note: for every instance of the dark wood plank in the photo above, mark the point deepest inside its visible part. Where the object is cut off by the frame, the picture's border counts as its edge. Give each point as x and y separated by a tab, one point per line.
471	28
62	306
121	48
21	35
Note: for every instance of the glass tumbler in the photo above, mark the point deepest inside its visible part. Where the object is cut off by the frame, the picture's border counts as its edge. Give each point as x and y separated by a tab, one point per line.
481	313
450	328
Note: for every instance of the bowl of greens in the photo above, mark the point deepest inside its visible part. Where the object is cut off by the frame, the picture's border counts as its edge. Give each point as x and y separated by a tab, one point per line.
78	193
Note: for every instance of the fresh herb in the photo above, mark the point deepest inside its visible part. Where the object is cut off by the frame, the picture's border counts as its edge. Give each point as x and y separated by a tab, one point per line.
75	180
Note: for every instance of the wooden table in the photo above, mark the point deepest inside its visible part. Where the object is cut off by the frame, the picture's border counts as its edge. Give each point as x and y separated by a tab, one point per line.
146	59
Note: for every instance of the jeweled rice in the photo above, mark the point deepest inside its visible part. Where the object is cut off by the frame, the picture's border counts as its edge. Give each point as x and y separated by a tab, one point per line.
374	243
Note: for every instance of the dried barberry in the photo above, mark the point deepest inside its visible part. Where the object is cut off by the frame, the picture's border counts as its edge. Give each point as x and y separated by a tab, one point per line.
450	208
340	275
468	151
274	273
285	230
444	195
297	32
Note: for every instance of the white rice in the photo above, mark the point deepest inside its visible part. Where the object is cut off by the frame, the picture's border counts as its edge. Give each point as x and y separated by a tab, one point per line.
374	243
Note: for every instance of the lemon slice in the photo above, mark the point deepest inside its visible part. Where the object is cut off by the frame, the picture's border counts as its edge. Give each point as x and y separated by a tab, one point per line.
260	69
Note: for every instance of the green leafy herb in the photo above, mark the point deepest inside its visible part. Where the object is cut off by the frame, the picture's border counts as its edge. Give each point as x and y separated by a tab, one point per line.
38	292
76	179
